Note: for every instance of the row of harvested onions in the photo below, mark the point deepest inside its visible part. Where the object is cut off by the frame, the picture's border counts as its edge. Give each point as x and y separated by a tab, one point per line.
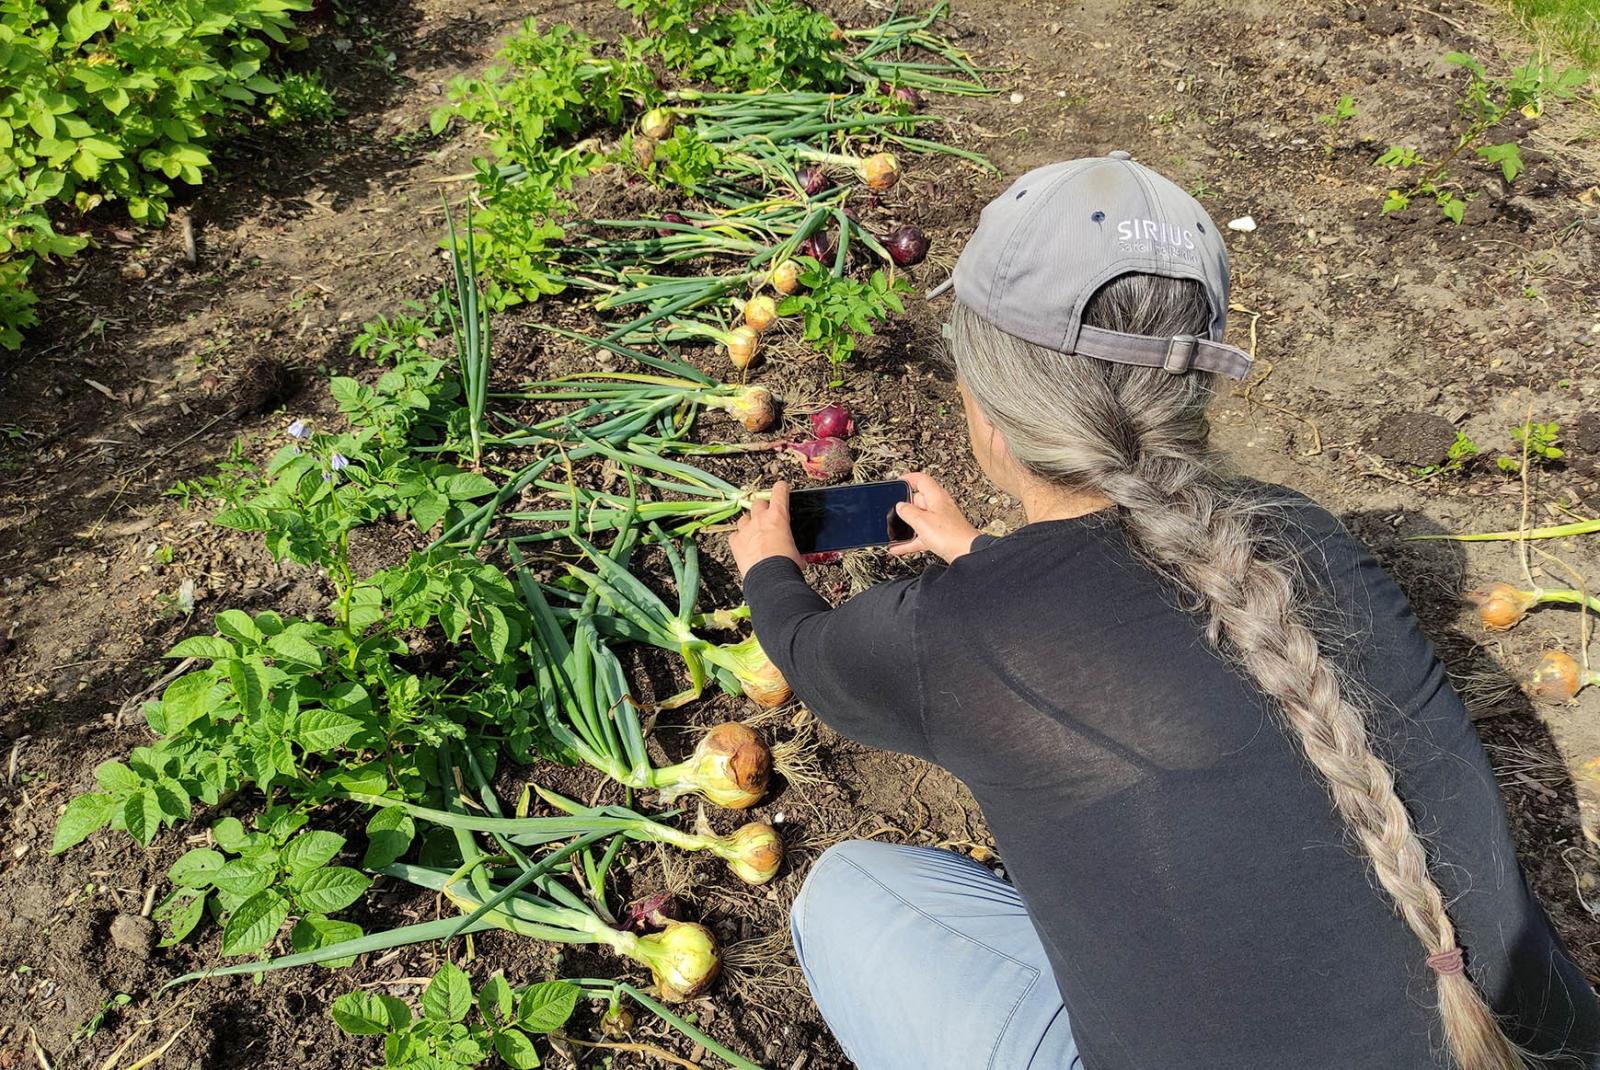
1557	676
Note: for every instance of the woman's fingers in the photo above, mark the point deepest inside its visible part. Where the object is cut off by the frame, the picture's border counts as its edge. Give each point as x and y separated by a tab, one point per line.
780	498
922	484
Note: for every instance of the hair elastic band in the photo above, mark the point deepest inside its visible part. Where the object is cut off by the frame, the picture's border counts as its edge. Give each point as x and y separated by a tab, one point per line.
1448	963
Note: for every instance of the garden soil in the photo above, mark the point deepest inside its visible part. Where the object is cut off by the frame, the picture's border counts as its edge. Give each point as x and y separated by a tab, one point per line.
1377	339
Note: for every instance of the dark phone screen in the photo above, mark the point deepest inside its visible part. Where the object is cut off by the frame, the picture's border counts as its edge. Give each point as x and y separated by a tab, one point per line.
849	516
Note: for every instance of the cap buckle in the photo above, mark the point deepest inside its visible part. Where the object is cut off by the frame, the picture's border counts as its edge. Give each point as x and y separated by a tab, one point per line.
1180	353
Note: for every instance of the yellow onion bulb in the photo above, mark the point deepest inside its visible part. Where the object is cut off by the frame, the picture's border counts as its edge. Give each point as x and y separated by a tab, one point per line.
754	852
656	123
759	312
785	278
1501	606
644	152
741	345
753	406
759	678
880	171
683	959
730	766
1557	677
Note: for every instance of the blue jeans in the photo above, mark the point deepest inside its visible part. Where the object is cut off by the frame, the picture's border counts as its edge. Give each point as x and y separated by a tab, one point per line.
924	960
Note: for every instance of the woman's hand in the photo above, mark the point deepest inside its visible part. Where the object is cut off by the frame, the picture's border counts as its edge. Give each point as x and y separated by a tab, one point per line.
941	528
764	532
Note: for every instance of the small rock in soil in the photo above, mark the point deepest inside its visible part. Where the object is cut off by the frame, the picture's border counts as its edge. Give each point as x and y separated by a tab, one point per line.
133	933
1416	438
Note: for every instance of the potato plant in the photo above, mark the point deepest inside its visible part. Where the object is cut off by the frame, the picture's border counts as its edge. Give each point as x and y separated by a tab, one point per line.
111	101
1483	105
457	1030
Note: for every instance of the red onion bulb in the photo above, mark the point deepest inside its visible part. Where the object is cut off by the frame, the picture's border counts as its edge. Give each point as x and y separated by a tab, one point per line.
833	421
907	246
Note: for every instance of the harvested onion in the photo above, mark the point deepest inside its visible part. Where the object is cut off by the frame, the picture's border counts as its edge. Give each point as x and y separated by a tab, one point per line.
907	246
754	852
832	421
683	959
760	311
824	459
1501	606
880	171
729	766
813	180
753	406
656	123
1557	677
785	278
741	346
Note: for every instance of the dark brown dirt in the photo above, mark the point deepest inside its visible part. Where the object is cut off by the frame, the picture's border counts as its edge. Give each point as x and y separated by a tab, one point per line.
1374	336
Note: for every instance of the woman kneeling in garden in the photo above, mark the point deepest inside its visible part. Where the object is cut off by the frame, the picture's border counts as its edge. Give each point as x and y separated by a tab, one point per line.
1249	822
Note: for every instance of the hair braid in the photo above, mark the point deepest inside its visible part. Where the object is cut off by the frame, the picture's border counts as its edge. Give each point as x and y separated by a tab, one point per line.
1138	436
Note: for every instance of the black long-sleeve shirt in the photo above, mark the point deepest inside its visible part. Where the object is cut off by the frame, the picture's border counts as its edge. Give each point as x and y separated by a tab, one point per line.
1202	905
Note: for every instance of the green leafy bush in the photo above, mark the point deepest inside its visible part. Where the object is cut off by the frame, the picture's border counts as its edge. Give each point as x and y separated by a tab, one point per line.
301	98
280	870
115	101
448	1036
758	45
836	313
1485	102
550	90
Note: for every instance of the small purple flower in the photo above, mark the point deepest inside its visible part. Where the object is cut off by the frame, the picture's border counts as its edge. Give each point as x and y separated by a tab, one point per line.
299	430
338	462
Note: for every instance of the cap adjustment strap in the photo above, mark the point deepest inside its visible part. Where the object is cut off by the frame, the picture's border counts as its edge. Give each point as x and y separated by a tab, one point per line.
1180	353
1177	355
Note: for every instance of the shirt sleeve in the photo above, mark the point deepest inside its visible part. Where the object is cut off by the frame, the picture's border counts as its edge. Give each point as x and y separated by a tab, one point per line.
854	666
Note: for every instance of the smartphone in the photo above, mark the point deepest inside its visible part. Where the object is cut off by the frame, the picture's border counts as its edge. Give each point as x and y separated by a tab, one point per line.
848	517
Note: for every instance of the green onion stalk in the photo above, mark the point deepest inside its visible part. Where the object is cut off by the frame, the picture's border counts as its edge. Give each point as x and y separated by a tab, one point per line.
902	31
636	612
576	442
1558	531
768	123
754	851
703	499
590	712
618	392
469	324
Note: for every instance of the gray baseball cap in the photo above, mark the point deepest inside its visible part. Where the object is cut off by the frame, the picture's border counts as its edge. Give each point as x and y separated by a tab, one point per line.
1046	245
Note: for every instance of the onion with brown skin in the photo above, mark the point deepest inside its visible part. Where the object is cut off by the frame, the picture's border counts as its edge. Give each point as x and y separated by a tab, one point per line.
785	277
730	766
760	311
1501	606
881	171
756	852
617	1022
753	407
683	959
1557	678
